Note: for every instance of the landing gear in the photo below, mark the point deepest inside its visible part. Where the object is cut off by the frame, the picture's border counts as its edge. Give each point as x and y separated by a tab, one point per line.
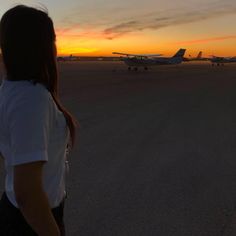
218	64
135	68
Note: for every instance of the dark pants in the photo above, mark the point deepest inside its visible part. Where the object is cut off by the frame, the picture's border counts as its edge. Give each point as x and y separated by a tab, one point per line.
13	223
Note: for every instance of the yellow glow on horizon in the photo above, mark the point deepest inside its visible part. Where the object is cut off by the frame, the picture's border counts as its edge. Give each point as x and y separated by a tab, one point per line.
224	48
149	42
91	28
75	51
67	45
92	46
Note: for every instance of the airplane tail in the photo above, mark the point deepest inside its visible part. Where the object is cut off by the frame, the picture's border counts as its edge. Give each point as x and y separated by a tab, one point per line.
199	56
180	53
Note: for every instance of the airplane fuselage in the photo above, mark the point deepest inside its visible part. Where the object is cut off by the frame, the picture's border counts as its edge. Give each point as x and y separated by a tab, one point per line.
142	62
223	60
145	61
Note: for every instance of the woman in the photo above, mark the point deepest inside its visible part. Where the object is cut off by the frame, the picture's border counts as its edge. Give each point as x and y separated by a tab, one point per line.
35	128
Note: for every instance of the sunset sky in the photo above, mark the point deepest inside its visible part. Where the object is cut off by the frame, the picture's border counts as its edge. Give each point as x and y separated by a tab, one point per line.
99	27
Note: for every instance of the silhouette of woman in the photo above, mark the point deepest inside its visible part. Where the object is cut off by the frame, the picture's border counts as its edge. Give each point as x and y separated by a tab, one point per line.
35	129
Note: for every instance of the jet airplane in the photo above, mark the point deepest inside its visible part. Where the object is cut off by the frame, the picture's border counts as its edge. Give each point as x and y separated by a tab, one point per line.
146	60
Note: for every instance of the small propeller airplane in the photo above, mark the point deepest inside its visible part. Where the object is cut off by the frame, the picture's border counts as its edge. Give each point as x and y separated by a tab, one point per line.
198	58
220	61
68	58
135	61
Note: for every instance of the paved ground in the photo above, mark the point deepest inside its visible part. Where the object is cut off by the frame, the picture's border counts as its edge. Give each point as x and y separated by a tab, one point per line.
156	150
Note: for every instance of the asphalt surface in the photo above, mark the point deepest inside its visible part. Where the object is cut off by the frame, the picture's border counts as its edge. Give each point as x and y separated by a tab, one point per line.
155	154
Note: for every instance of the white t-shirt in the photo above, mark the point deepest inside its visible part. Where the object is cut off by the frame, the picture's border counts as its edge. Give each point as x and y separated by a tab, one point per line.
32	129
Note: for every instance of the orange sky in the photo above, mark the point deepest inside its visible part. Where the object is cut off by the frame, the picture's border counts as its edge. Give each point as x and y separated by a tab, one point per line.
99	27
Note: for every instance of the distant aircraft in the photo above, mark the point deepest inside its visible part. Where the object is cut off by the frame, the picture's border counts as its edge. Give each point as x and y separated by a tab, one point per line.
220	61
198	58
68	58
146	60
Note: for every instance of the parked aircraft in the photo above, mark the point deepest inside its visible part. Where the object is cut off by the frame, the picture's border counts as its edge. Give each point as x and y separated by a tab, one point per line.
135	61
198	58
68	58
220	61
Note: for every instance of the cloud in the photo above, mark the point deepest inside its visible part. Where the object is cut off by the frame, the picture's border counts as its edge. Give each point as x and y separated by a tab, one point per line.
115	21
120	29
171	17
75	31
206	40
68	29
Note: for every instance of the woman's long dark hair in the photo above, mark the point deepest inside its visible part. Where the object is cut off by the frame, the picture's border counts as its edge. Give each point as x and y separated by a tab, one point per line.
27	41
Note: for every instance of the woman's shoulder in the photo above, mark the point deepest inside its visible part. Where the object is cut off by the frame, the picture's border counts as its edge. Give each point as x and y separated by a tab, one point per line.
25	94
26	89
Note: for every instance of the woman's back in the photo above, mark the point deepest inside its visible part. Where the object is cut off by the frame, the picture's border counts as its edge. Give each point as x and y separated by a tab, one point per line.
33	129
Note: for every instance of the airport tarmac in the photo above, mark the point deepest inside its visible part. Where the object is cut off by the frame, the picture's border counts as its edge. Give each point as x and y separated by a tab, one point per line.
155	154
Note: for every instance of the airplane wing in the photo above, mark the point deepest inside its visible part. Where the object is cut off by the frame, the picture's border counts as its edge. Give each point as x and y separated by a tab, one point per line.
151	55
122	54
221	57
137	55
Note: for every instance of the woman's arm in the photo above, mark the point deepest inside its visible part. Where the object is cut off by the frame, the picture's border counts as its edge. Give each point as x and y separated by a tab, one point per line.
32	200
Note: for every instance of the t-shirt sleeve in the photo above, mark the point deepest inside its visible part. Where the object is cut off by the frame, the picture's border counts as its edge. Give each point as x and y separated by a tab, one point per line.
29	126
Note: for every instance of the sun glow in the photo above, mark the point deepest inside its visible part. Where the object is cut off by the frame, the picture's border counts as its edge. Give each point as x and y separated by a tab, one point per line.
63	51
92	28
206	31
